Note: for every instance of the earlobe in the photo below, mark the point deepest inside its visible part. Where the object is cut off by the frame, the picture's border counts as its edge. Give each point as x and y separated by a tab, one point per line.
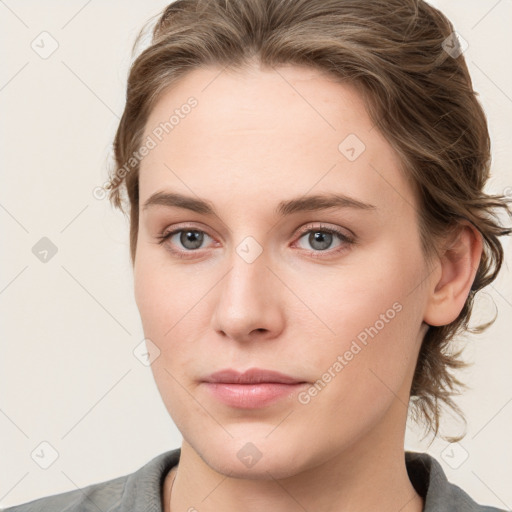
450	288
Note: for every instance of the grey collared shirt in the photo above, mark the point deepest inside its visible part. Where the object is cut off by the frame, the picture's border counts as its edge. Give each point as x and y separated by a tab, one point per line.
141	491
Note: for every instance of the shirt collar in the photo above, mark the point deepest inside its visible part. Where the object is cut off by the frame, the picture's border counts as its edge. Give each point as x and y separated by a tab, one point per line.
439	495
143	488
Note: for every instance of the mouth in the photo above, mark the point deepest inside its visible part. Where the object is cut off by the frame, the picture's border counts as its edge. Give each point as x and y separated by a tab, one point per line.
251	376
252	389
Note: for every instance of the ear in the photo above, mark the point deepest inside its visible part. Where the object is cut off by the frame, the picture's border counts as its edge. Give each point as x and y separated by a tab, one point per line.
458	264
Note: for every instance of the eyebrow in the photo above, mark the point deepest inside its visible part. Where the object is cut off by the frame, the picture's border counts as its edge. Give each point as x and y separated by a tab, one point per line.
287	207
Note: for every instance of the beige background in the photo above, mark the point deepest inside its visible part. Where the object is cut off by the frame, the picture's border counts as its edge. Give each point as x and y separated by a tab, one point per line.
69	326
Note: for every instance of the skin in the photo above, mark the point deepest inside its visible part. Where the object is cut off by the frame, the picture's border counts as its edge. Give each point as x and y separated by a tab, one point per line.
256	138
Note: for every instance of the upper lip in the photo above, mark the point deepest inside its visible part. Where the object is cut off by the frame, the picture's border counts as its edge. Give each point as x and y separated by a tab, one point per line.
251	376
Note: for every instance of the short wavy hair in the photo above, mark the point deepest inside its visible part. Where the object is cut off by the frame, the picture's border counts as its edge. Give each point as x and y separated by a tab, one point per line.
417	92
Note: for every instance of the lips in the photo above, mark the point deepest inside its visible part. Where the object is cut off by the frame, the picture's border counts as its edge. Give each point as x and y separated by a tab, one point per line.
253	389
251	376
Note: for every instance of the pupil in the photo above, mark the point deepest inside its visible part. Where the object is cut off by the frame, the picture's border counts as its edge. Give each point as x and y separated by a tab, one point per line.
193	237
319	236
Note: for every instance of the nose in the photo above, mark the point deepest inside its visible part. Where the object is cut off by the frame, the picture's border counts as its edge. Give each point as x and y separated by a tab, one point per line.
249	304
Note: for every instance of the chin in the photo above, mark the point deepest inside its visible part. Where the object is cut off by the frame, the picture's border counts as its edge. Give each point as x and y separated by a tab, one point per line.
253	457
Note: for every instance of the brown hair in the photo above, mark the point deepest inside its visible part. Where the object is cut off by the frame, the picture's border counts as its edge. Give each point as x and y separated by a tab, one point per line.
418	95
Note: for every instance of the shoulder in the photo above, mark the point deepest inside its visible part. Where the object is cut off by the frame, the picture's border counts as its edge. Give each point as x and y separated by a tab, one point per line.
429	480
138	490
100	496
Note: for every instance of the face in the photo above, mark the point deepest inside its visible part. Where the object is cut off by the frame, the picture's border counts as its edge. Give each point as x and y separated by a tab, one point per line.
247	271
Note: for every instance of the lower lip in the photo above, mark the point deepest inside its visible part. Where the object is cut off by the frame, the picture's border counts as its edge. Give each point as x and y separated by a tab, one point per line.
251	396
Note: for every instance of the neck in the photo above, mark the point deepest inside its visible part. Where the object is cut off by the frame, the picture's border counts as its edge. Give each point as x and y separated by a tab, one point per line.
371	475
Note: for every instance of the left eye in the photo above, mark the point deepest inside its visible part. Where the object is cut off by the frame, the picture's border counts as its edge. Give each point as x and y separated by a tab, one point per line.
322	239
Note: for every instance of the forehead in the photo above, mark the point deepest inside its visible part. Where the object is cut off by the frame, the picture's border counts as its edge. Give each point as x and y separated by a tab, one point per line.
290	127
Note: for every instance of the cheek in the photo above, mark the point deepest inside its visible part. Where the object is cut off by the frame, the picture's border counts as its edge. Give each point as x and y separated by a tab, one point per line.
174	312
374	315
163	313
363	371
149	296
351	301
162	295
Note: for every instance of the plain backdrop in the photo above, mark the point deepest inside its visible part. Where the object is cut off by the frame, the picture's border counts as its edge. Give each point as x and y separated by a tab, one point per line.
69	377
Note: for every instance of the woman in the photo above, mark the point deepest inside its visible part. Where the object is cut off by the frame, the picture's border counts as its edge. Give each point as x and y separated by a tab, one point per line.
308	232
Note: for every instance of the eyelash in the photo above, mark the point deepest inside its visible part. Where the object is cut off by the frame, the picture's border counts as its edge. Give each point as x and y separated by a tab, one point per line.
347	240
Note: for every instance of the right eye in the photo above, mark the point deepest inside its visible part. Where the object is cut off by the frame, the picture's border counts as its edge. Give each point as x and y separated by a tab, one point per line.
189	238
